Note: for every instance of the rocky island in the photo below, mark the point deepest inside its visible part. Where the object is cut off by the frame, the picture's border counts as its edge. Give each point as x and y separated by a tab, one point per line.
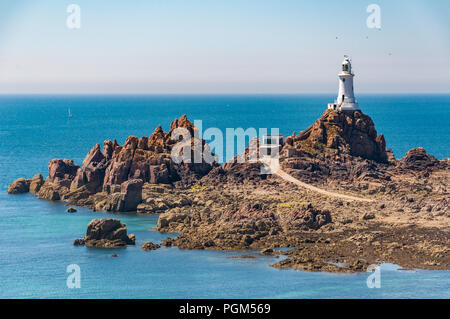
341	202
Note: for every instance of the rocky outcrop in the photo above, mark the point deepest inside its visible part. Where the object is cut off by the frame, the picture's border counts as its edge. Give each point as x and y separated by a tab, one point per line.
250	225
417	159
244	168
340	145
19	186
127	199
36	183
122	158
50	191
234	206
62	172
92	171
150	246
112	179
106	233
348	132
57	184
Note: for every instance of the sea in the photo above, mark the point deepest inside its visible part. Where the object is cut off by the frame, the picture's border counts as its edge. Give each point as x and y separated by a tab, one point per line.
36	236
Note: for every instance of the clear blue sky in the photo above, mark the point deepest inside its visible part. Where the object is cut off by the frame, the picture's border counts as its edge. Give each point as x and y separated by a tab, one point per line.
226	46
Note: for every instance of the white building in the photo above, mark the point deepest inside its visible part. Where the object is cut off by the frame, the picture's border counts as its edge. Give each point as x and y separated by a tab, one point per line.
272	144
346	98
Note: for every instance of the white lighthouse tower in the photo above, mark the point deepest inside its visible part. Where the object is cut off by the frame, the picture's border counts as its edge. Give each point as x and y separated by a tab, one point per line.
346	98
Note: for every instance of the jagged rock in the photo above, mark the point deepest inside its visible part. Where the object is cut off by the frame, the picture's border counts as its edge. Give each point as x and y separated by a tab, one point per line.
19	186
108	149
118	171
92	172
349	132
36	183
417	159
128	199
62	172
147	159
57	184
132	191
106	233
150	246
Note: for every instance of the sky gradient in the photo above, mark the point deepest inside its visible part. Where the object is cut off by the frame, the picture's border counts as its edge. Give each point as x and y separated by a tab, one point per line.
233	46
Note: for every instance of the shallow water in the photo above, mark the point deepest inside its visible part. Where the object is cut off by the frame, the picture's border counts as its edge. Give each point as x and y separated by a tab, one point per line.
36	236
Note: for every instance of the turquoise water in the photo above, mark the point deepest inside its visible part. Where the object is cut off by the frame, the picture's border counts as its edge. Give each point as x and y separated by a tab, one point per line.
36	236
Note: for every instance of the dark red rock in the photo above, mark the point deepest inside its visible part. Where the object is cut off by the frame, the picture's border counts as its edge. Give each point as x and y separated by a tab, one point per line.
92	172
350	132
62	172
132	194
118	171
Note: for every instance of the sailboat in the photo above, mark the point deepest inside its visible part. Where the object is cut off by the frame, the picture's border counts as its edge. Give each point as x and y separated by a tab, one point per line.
70	114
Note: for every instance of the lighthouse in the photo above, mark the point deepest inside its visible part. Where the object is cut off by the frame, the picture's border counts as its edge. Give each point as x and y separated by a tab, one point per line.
346	98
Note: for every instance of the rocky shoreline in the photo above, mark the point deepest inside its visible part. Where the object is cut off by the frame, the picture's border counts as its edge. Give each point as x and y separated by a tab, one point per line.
233	206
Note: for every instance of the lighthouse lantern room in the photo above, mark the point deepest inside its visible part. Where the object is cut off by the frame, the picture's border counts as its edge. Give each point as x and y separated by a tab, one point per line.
346	99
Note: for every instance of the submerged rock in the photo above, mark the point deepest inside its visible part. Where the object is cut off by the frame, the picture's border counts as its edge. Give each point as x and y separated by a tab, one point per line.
106	233
150	246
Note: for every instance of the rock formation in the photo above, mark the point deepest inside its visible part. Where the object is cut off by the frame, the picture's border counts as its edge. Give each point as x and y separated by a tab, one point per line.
248	226
112	179
417	159
234	206
92	171
106	233
336	132
19	186
150	246
61	172
36	183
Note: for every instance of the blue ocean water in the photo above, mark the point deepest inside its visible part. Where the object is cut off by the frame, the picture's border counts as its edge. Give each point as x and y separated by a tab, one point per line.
36	236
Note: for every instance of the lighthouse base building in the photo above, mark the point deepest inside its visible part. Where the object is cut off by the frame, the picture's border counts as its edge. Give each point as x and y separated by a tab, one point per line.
346	99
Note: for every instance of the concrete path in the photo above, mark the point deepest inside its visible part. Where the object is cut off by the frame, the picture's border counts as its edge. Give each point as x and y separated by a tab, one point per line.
275	169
